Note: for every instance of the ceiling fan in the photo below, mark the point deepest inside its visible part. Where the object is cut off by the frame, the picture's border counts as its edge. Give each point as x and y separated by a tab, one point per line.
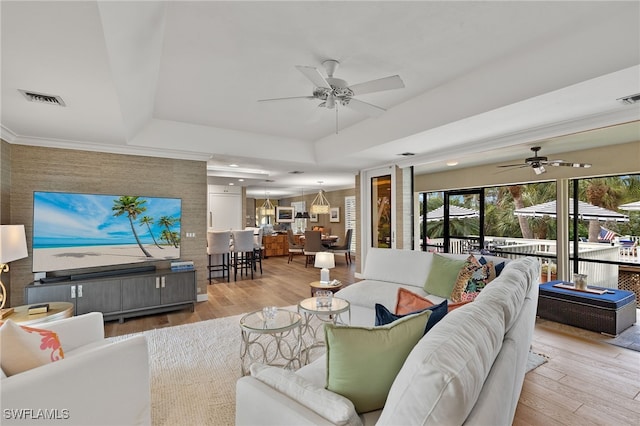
537	162
333	91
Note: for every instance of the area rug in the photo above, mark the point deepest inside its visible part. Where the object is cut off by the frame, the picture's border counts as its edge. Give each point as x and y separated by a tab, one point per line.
194	369
630	338
535	360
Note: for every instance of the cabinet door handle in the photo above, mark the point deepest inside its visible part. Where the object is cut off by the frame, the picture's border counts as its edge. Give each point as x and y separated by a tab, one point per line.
73	291
157	282
163	281
80	290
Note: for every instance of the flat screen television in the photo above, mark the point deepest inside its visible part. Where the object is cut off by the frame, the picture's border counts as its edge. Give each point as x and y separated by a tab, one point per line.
77	231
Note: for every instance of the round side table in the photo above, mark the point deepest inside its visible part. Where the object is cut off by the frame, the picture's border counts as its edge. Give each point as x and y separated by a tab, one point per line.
317	285
271	340
57	310
314	318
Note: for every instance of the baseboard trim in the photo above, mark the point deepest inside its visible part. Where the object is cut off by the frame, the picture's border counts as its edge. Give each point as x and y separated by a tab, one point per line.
202	298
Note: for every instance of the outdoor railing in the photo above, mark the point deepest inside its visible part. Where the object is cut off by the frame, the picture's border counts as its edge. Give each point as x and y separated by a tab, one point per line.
599	274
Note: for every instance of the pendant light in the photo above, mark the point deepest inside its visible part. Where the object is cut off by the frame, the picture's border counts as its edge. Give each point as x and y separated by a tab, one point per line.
320	204
267	208
305	214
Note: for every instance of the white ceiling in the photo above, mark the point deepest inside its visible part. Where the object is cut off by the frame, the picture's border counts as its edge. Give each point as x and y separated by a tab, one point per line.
181	79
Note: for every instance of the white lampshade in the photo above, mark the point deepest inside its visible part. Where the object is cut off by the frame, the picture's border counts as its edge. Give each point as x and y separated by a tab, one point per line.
325	260
13	243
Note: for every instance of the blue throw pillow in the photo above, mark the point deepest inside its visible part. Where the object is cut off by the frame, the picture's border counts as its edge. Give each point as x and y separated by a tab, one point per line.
384	316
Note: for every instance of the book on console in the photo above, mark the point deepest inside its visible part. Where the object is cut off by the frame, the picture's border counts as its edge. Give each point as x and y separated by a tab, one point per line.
183	268
39	309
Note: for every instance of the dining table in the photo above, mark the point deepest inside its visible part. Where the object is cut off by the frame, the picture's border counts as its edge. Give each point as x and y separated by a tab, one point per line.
327	240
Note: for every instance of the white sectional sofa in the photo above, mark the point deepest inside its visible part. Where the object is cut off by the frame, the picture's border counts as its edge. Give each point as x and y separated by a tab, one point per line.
468	369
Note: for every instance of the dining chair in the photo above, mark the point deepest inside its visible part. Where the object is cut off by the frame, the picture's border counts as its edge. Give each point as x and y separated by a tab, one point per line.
243	252
218	245
312	245
293	247
345	247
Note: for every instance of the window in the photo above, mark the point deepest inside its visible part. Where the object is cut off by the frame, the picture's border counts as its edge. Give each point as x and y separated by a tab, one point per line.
605	234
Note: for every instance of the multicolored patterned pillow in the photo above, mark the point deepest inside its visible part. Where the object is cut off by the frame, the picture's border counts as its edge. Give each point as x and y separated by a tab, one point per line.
473	277
24	348
494	268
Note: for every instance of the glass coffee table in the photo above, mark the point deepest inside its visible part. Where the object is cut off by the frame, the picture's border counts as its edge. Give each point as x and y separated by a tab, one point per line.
276	341
315	317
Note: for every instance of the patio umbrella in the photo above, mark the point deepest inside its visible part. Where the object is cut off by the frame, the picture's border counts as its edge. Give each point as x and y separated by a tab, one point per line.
586	211
635	206
455	212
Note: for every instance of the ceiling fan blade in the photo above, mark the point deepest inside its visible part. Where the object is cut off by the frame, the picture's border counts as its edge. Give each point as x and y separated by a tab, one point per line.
514	165
557	163
314	75
386	83
365	108
286	99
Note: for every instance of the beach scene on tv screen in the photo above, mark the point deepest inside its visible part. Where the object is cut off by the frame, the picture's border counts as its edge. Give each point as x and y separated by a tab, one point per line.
74	231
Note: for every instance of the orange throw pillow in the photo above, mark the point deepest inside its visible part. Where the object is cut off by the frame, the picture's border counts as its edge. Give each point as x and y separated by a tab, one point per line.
409	302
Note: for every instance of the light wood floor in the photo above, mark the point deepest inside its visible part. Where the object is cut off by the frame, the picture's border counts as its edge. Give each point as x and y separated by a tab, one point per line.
584	382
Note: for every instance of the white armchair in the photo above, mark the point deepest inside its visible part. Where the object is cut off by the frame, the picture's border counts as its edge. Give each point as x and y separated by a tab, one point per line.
97	383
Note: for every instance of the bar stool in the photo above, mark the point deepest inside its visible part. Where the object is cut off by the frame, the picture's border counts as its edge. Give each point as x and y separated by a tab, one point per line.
258	248
243	252
218	244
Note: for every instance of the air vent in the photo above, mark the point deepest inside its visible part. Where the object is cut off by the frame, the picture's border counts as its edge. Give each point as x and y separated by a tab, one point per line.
42	98
407	154
632	99
296	172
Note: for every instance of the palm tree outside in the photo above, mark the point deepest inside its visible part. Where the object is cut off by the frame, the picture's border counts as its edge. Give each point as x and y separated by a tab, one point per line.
132	207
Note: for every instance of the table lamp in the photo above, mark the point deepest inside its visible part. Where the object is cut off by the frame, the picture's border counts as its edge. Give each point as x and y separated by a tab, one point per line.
324	260
13	246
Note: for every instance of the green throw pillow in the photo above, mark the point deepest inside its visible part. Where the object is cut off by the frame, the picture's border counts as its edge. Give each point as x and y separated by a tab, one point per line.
443	275
363	362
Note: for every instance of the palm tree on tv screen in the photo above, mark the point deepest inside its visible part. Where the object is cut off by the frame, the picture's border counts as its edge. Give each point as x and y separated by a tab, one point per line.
148	220
132	207
168	222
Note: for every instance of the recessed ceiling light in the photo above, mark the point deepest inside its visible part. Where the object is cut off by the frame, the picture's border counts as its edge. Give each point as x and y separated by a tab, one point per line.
231	183
233	165
240	180
452	163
